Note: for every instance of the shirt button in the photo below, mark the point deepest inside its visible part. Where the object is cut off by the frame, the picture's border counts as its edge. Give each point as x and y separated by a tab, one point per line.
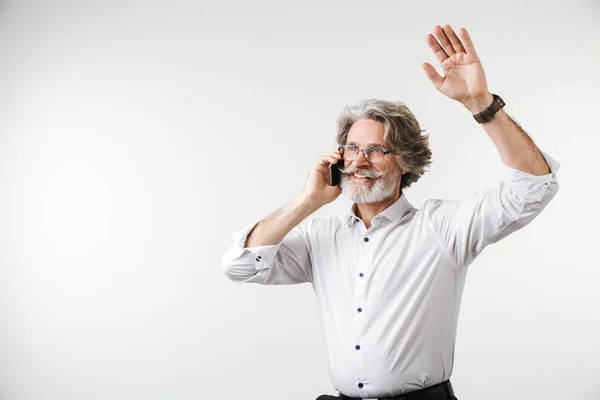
366	239
361	274
360	385
359	309
357	347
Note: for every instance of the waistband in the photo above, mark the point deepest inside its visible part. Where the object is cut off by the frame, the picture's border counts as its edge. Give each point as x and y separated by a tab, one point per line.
429	393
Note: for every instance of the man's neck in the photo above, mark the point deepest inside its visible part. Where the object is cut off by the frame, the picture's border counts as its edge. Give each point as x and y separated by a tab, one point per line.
367	211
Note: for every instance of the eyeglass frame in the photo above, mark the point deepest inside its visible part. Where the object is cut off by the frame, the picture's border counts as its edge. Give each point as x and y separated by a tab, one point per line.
385	152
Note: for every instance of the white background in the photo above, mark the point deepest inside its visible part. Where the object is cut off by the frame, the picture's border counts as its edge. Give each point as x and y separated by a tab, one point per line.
136	136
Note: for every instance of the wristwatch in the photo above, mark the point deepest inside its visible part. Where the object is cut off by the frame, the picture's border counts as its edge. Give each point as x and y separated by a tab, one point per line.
489	112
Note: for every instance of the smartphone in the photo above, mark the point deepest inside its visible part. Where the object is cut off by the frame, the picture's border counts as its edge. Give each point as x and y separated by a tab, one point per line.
335	173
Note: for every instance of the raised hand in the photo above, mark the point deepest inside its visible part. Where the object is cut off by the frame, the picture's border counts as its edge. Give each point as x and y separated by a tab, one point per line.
464	79
317	187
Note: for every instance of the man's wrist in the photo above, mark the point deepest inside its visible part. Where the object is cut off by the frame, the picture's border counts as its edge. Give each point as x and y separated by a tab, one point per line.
478	104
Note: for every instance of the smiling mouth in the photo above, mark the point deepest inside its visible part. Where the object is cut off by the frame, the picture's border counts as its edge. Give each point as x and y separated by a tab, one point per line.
360	177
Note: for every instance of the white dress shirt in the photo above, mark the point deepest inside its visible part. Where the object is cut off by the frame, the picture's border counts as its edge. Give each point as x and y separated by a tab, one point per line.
389	296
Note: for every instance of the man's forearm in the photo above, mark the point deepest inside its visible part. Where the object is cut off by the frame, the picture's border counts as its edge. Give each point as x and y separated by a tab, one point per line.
272	229
516	148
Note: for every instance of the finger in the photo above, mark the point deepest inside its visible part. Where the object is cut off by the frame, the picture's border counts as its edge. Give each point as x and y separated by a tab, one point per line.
330	159
456	43
433	76
439	53
338	158
443	39
336	155
466	38
323	166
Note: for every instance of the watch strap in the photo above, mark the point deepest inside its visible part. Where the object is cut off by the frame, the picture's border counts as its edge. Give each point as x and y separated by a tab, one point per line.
489	112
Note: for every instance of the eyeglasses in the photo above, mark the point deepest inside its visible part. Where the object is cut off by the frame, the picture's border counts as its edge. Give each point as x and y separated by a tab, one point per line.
373	154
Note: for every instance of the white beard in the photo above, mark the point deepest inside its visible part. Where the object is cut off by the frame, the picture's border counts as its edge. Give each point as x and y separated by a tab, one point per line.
370	192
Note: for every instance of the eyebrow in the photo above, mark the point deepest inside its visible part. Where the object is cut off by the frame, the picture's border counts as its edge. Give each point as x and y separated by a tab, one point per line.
370	144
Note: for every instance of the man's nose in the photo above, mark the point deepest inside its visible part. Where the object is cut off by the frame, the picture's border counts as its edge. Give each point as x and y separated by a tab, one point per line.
360	159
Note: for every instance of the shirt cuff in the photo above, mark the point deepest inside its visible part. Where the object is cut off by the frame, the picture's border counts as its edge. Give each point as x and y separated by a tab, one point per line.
263	255
530	185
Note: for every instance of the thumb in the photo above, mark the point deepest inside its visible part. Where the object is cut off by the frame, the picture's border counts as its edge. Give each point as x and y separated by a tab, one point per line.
433	76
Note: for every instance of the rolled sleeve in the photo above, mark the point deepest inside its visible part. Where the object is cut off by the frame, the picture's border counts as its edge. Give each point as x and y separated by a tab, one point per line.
465	227
284	263
263	255
533	187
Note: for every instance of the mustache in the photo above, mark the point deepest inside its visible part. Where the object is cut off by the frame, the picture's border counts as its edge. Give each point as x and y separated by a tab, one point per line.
369	173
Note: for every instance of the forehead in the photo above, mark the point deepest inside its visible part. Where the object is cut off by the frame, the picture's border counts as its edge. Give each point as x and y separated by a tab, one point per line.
366	132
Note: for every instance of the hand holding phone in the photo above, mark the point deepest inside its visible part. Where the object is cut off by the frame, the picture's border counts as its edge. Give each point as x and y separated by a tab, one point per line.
322	185
335	170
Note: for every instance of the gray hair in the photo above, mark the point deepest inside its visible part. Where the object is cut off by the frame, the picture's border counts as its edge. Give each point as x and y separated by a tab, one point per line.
402	134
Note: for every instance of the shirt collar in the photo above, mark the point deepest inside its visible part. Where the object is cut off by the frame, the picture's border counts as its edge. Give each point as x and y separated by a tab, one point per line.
394	212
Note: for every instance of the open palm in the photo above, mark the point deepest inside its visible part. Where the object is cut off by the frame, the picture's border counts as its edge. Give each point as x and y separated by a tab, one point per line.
464	79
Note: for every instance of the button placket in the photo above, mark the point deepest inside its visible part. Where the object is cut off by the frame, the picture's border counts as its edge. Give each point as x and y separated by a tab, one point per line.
359	297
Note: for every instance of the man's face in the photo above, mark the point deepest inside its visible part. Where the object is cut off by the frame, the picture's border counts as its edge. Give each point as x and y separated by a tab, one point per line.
382	179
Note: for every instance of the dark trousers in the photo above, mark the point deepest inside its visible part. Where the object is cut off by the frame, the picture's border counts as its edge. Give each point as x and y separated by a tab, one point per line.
441	391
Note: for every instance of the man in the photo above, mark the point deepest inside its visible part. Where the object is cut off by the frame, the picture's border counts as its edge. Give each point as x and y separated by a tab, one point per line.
388	278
